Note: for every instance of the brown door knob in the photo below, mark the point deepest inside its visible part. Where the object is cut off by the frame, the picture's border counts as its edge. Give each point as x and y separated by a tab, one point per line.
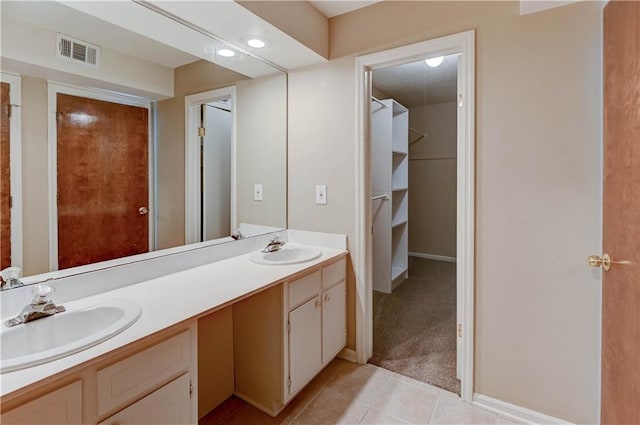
143	210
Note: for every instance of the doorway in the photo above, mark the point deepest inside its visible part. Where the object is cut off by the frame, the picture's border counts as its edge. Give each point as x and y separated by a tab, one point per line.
99	173
458	44
210	166
414	136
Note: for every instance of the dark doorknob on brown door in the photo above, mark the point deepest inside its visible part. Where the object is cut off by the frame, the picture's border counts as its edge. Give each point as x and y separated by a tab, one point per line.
143	210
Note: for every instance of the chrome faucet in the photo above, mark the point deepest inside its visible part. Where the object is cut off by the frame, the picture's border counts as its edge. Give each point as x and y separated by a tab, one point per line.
275	245
9	278
41	306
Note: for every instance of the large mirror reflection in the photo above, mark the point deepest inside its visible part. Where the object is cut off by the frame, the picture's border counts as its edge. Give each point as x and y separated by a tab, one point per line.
128	144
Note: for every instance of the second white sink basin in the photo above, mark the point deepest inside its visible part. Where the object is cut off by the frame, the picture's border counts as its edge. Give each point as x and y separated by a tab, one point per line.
289	254
63	334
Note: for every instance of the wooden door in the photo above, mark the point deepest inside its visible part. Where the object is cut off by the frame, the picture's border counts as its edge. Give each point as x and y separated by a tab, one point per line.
334	321
621	215
102	157
5	180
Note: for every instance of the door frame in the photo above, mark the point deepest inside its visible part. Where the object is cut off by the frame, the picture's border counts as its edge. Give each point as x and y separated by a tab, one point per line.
15	162
53	88
192	219
463	44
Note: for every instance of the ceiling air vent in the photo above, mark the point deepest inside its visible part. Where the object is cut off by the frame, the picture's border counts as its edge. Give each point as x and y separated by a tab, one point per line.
78	51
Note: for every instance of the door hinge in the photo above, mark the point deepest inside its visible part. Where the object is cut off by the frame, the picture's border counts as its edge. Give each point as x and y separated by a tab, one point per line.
11	106
10	201
459	330
372	230
289	326
201	131
190	389
460	103
289	384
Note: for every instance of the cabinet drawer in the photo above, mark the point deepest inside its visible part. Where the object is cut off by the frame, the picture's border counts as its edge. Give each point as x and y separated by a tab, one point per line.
143	372
303	289
62	406
170	405
334	274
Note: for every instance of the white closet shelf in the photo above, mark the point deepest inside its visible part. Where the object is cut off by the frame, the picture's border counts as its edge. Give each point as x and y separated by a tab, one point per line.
399	189
398	223
396	271
399	152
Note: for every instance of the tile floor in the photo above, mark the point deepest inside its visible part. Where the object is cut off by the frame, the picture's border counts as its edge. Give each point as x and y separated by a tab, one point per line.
348	393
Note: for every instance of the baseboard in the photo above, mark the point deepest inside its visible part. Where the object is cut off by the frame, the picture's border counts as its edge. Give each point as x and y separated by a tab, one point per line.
513	412
348	354
433	257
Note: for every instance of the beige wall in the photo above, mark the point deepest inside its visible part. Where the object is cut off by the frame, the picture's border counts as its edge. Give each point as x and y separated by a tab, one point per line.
538	182
261	147
432	180
35	180
261	151
28	49
193	78
322	151
299	19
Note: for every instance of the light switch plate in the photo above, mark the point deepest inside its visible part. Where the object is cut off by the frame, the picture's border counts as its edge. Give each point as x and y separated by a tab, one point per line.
257	192
321	194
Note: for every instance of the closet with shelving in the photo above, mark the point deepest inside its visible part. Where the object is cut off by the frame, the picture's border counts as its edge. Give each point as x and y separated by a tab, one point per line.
390	193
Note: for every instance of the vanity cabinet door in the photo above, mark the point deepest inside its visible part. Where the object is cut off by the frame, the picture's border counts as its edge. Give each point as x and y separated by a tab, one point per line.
305	337
169	405
62	406
334	321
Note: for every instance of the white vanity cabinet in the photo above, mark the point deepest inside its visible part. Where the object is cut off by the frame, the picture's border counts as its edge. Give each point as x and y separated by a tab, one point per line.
305	343
169	405
284	336
149	382
60	406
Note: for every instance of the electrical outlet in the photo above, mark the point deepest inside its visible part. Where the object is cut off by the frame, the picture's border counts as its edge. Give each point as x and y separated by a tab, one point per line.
257	192
321	194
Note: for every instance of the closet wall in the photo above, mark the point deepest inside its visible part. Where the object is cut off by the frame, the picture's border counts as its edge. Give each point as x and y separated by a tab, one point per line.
432	180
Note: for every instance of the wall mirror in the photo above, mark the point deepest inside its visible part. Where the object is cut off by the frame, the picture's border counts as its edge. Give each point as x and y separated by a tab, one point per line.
138	133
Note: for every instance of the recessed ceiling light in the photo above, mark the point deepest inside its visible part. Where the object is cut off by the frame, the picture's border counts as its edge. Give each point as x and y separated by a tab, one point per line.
256	43
434	62
227	53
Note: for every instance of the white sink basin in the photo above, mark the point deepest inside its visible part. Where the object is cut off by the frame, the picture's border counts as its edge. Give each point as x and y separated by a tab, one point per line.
289	254
63	334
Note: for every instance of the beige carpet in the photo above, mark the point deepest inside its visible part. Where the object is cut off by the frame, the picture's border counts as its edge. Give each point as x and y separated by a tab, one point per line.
414	328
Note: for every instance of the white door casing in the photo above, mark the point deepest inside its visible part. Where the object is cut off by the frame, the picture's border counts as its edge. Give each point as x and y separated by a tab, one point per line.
462	44
192	158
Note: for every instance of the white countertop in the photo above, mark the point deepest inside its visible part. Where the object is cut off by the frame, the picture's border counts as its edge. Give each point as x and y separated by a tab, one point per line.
167	301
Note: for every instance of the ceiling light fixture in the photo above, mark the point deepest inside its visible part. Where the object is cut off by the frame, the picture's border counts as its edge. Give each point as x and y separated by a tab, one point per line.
227	53
434	62
256	43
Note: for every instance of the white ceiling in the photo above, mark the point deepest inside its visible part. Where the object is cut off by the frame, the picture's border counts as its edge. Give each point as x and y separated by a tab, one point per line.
60	18
331	8
416	84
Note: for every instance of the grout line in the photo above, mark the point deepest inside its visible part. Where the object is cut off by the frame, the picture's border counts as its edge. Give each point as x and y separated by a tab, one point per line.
435	406
317	393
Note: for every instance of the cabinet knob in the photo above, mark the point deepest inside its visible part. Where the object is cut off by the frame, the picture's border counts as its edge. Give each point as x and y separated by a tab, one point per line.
318	303
326	297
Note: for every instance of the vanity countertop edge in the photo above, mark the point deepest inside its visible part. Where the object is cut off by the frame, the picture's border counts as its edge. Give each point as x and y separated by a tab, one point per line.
167	301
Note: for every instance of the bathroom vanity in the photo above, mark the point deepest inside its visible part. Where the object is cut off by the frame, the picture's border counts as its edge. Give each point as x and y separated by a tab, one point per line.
229	327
